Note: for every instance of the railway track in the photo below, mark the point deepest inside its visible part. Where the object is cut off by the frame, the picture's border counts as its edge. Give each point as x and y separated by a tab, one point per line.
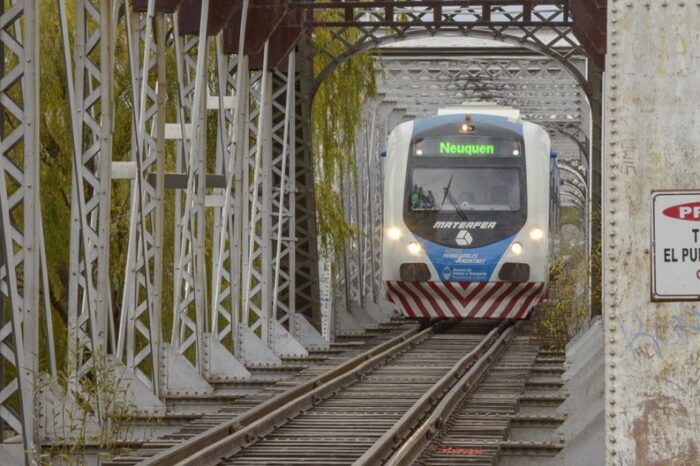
452	393
509	410
224	408
335	420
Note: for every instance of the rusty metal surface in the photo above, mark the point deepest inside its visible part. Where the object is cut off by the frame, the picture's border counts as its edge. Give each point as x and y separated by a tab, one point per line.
590	27
263	21
282	41
164	6
652	349
219	13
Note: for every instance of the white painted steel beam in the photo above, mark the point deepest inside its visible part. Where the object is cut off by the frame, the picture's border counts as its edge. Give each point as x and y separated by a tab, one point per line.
139	335
89	82
22	254
190	271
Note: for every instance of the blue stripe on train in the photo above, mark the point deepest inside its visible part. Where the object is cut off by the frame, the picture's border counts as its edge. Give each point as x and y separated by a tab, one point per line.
465	265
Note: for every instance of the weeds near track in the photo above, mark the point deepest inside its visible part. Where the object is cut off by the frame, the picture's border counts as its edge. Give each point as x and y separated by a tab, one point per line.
73	421
568	310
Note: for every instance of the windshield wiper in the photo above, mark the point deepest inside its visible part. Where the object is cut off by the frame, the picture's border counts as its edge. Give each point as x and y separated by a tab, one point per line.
454	203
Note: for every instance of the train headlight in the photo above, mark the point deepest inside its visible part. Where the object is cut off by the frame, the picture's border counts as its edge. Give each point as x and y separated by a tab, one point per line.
414	248
393	233
536	234
466	128
516	248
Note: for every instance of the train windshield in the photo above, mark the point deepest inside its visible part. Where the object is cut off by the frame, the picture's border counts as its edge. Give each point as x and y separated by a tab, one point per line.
461	190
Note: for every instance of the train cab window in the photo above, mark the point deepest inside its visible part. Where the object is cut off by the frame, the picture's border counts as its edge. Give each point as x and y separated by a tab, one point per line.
465	189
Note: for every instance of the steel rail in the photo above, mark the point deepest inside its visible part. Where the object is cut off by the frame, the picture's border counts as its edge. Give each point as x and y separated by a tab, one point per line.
416	443
446	393
208	445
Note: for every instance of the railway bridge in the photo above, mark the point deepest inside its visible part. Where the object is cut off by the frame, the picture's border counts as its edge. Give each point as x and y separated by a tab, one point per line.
191	224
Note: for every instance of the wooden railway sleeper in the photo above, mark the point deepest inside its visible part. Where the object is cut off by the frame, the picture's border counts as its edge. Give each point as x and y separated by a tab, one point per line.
408	437
209	447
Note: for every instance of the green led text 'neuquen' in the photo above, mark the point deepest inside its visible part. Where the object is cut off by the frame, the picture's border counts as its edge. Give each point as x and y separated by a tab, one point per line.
467	149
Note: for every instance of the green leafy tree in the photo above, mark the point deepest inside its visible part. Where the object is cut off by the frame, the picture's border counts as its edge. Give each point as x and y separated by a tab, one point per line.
336	115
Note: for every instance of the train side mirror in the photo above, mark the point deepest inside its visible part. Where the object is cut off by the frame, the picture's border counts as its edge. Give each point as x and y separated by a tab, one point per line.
382	153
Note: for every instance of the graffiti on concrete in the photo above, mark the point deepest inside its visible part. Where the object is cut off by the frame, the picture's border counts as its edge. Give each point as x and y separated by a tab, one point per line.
655	338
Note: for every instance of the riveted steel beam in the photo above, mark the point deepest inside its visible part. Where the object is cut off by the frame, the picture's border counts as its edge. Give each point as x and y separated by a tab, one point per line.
22	256
139	333
89	323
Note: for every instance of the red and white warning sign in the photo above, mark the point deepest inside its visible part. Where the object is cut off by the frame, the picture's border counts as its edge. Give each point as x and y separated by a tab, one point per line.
675	245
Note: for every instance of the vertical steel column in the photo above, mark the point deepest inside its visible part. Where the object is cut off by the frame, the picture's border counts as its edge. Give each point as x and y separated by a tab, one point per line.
257	256
138	344
370	206
223	300
89	291
240	216
376	174
190	278
283	126
226	282
20	218
350	251
307	263
652	414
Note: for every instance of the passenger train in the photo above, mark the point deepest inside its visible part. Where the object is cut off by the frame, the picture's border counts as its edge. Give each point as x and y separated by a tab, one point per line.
470	214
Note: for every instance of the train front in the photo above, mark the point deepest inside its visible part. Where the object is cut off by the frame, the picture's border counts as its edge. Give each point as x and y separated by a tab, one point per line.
466	213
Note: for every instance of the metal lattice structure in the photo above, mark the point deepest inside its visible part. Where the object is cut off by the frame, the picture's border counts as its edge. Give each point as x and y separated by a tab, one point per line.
90	330
138	342
545	27
542	89
23	262
246	274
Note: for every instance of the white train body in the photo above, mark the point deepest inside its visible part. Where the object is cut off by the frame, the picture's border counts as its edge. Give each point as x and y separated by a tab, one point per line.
467	201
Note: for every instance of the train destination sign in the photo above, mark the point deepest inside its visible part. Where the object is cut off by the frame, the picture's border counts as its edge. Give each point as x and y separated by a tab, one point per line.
675	245
466	146
448	148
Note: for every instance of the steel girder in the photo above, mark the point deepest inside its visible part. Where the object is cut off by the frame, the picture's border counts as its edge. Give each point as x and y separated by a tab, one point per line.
90	331
22	258
255	236
307	277
543	26
226	286
190	276
139	335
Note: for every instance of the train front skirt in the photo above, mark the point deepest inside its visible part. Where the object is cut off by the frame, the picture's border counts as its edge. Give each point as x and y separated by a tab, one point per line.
494	300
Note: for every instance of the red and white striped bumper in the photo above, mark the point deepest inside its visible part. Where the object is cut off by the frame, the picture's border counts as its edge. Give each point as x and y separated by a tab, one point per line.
488	300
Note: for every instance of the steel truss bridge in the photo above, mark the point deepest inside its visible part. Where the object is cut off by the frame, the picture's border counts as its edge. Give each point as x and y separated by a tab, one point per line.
249	286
